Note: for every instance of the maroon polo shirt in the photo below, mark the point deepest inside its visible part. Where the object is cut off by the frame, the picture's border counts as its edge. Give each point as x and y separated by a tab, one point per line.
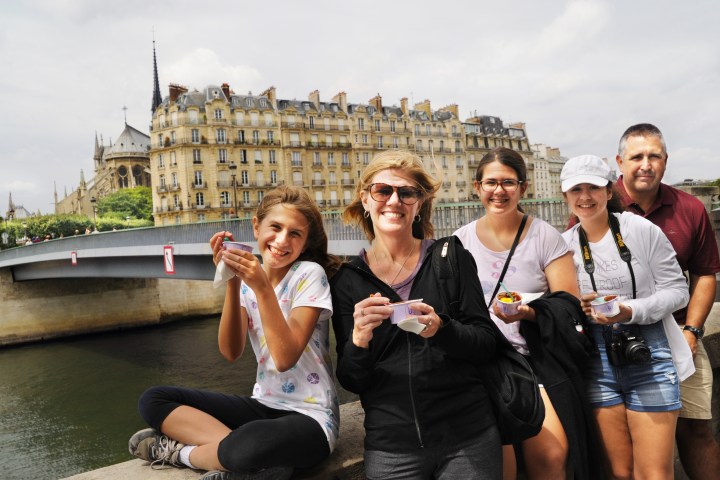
686	224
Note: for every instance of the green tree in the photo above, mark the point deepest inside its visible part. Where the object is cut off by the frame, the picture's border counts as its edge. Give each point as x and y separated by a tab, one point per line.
128	202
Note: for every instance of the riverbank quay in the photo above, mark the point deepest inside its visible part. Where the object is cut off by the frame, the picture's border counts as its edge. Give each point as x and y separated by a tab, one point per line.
346	463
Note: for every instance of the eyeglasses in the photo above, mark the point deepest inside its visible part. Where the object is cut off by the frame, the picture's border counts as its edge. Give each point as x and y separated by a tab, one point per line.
509	185
381	192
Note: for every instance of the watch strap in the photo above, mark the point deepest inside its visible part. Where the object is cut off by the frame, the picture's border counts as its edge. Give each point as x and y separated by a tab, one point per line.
698	332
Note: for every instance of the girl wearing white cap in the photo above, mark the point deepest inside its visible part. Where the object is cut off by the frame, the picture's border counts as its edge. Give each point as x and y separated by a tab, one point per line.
631	284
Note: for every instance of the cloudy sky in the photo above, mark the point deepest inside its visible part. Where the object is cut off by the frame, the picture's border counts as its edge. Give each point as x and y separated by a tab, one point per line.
576	72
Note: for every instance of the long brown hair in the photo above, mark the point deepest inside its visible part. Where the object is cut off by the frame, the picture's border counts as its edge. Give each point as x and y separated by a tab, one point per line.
317	242
411	165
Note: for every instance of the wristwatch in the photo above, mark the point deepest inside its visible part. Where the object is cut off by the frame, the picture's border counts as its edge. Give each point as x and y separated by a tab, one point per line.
698	332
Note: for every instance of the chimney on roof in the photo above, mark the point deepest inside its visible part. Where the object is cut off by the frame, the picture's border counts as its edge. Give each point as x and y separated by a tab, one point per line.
341	100
424	107
176	90
226	90
376	102
314	97
452	108
271	96
403	106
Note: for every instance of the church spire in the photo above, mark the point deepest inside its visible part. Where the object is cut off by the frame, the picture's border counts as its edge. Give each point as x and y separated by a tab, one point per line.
157	98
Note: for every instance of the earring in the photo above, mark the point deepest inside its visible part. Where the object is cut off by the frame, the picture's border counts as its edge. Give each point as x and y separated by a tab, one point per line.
366	214
417	218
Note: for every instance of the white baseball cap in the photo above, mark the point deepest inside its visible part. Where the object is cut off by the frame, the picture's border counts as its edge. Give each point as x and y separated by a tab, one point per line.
585	169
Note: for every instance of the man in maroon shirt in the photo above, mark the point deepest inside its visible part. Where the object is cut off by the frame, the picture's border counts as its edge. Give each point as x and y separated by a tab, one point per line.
642	158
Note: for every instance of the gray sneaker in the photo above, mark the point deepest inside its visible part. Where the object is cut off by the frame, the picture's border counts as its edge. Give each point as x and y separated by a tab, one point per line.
156	448
272	473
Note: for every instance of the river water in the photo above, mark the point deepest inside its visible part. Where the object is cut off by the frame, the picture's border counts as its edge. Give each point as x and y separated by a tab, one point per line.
70	406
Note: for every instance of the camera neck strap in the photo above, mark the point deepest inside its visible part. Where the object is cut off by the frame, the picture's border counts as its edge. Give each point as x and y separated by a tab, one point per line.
623	250
510	254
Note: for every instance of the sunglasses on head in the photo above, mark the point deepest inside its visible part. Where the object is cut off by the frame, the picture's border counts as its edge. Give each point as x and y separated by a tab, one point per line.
381	192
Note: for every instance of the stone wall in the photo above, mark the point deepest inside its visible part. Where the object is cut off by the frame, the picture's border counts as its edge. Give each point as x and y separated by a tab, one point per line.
43	309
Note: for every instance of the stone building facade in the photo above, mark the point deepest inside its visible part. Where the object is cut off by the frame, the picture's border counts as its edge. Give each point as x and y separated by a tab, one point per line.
214	153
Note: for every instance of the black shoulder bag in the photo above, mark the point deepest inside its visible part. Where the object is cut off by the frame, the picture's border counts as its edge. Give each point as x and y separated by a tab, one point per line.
509	380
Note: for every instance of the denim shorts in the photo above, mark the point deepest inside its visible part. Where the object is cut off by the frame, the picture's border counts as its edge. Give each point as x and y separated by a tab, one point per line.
654	387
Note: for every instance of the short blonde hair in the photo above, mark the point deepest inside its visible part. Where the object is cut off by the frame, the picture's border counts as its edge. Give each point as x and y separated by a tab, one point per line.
412	166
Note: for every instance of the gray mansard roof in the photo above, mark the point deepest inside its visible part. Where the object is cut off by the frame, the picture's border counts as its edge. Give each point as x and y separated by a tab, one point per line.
131	141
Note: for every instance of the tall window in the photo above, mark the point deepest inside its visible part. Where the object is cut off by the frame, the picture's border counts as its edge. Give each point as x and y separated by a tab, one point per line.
220	135
254	119
199	199
331	158
272	160
243	156
196	155
316	158
258	157
345	158
255	137
225	199
377	125
361	124
240	117
161	161
195	135
241	136
273	177
268	120
392	125
296	159
222	155
244	177
312	122
246	197
218	113
198	178
162	181
176	201
174	180
270	136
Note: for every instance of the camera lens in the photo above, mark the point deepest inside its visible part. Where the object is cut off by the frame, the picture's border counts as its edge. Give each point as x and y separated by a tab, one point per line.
637	352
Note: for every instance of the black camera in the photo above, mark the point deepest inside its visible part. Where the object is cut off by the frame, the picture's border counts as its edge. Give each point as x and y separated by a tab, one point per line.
626	348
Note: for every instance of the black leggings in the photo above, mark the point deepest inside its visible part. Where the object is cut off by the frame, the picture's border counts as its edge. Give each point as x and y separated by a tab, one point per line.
261	436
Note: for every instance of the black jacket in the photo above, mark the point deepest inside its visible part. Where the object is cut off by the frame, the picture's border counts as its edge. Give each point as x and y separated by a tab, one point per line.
416	392
559	355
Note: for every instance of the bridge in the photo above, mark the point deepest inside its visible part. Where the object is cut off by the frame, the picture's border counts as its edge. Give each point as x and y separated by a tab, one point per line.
143	252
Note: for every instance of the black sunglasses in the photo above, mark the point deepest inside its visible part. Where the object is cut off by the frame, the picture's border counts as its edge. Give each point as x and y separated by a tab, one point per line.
381	192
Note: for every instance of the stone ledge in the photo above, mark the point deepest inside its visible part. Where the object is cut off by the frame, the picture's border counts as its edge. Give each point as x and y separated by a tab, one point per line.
346	462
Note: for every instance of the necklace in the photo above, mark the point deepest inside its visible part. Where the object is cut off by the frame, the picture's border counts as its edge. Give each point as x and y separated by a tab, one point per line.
392	282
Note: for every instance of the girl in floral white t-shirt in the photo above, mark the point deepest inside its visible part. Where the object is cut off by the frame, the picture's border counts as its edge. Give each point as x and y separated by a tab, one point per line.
283	306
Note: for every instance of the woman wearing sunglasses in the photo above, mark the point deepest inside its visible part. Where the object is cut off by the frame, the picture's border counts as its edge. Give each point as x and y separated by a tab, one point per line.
427	414
526	255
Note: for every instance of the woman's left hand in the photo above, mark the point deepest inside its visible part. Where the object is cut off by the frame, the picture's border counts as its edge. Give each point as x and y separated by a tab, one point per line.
524	312
428	317
623	316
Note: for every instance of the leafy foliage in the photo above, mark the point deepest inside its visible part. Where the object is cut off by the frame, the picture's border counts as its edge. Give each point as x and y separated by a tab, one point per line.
128	202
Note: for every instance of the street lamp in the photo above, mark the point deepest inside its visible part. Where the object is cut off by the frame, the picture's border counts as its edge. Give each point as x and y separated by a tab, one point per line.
93	200
232	168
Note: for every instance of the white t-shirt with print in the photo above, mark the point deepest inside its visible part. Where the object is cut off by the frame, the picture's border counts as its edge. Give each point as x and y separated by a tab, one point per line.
525	274
308	386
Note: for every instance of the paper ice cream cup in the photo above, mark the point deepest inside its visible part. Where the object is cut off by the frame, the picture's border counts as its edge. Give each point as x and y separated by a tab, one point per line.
402	311
607	305
227	244
508	302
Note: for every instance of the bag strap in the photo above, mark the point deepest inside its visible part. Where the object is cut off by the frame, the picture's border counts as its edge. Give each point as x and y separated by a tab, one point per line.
443	262
507	261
